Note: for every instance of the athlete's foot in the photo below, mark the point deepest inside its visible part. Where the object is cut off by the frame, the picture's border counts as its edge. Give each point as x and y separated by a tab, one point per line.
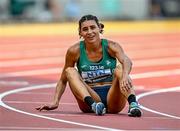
99	108
134	110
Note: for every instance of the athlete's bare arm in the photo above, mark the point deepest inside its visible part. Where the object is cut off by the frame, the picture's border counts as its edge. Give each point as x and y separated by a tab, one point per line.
115	50
72	56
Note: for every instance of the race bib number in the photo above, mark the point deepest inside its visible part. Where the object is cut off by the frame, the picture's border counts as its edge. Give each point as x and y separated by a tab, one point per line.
96	75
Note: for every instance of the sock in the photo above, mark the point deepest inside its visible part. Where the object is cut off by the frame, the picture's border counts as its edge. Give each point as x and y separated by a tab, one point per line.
131	98
89	101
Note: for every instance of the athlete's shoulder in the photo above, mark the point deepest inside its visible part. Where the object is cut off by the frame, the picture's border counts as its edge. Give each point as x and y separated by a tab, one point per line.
113	44
113	47
73	51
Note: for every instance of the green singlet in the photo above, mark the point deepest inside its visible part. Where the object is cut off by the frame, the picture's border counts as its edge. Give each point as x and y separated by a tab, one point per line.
96	72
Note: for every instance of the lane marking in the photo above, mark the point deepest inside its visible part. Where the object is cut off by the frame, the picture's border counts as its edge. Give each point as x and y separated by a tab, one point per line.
157	62
171	89
31	72
47	52
13	83
45	117
58	70
32	62
156	74
59	60
154	52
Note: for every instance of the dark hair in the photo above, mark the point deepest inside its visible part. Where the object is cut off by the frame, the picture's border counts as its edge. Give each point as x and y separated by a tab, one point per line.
90	17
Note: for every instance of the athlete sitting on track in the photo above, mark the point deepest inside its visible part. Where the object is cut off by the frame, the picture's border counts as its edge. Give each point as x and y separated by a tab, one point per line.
99	84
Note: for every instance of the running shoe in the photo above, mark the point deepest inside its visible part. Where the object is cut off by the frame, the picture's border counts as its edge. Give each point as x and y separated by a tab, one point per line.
134	110
99	108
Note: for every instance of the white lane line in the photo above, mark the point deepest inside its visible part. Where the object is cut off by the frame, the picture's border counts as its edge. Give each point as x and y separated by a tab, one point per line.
157	62
32	62
156	74
45	117
58	70
154	52
172	89
31	72
59	60
13	83
33	53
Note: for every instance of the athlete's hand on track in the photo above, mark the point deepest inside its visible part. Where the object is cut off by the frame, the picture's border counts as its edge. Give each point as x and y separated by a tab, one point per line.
47	107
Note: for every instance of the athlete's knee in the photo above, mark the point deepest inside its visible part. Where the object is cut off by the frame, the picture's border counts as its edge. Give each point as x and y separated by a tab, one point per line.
70	72
118	71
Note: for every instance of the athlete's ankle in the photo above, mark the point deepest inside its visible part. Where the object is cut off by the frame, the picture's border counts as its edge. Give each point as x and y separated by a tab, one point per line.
89	101
131	98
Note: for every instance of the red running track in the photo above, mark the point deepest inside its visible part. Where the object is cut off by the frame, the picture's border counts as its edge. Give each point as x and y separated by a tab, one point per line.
31	66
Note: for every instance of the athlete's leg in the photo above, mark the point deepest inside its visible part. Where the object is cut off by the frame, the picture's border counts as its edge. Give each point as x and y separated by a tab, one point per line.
116	100
118	96
80	89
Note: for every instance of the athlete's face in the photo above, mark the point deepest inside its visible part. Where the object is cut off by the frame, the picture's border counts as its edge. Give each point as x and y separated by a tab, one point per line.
90	31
